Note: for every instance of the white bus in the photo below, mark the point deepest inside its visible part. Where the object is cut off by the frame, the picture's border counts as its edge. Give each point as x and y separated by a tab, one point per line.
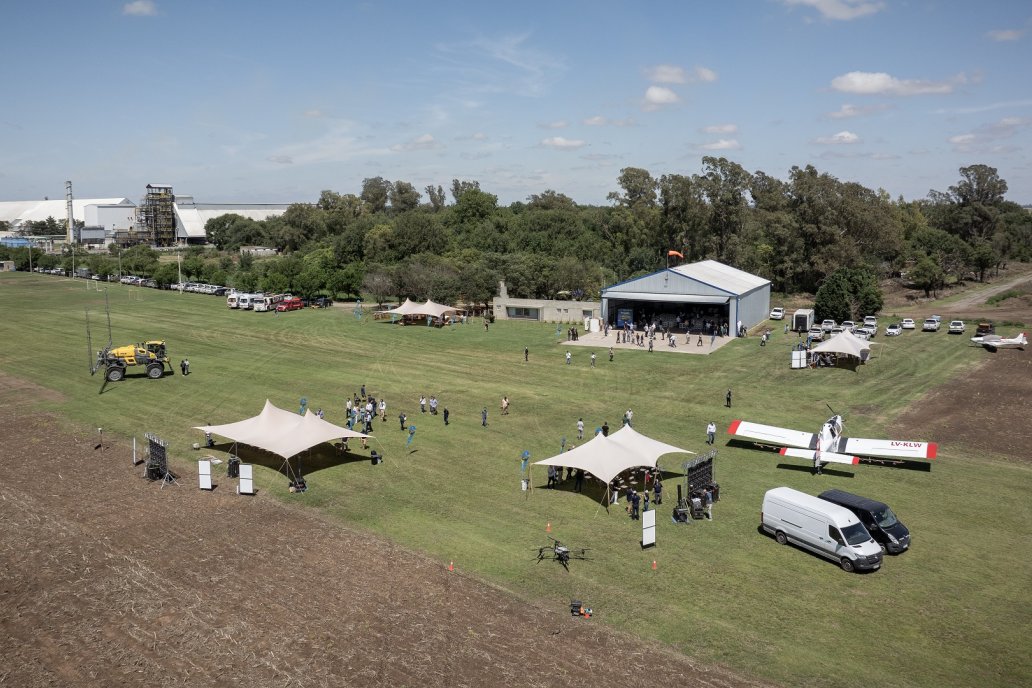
262	304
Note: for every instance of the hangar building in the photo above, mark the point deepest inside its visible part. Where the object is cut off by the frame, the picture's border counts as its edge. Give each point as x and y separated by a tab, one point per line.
706	290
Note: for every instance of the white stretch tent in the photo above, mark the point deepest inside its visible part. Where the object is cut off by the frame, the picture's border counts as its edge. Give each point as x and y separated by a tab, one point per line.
607	457
281	432
435	310
844	343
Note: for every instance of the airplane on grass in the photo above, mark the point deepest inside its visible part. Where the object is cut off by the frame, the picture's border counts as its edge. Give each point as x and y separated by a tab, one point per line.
829	445
995	341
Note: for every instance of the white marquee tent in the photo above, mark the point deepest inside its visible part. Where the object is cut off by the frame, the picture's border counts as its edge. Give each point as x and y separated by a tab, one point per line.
844	343
281	432
434	310
607	457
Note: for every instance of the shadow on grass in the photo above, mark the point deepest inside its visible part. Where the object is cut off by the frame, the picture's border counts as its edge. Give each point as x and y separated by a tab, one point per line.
307	462
809	469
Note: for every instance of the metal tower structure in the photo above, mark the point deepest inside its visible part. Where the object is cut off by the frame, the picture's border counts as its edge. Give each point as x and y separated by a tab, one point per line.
156	215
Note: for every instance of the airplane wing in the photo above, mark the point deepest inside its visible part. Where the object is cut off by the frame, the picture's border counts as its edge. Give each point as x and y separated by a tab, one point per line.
769	434
826	457
901	449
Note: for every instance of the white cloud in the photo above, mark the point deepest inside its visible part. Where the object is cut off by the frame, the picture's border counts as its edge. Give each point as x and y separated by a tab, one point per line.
499	64
1006	35
986	137
672	74
140	8
558	124
880	83
841	10
666	74
848	111
659	96
841	138
281	159
424	142
561	143
596	121
984	108
314	113
704	74
721	129
722	144
479	136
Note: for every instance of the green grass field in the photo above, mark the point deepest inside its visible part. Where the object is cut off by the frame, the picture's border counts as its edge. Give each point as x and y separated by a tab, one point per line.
954	611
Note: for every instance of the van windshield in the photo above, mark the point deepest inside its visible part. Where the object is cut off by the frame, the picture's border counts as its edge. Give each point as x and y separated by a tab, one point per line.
885	518
856	534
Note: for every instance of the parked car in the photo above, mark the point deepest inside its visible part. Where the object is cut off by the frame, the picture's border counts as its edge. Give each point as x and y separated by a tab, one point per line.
848	325
820	526
862	333
930	325
828	325
871	330
322	302
984	328
956	327
816	334
908	324
291	304
870	321
893	330
877	517
777	313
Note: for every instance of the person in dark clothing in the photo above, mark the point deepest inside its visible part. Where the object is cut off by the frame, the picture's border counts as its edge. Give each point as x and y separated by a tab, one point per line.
605	429
526	354
728	401
657	488
445	415
635	504
363	392
402	419
483	417
578	484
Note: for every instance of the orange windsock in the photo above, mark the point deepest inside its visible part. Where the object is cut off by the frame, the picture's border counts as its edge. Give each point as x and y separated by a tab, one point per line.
672	253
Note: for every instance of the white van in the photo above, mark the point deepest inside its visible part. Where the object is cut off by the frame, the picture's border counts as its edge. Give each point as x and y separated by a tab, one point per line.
244	301
232	300
827	529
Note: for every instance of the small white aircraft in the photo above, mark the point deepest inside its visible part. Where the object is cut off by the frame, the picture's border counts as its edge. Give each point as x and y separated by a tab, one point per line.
829	445
995	341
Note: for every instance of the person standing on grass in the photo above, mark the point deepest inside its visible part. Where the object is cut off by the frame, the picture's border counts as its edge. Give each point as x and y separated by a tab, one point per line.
592	359
727	402
711	432
580	428
483	417
526	354
505	406
422	403
568	358
383	410
610	354
657	488
445	415
709	503
402	419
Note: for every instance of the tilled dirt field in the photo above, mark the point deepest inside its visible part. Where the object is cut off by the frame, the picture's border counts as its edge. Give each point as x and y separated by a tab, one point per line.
108	580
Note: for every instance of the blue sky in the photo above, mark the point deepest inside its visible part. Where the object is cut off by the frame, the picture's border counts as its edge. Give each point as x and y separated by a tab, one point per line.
275	101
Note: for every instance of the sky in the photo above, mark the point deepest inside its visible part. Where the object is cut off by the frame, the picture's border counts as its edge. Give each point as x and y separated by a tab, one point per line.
268	101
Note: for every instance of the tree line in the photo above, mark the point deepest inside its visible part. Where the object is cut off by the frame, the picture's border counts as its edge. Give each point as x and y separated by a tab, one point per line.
391	240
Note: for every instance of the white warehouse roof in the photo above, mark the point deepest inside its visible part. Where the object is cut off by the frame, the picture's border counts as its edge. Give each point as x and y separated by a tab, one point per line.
724	277
191	217
19	212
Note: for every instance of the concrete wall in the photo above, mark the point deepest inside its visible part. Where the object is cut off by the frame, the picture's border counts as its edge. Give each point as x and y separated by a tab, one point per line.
547	310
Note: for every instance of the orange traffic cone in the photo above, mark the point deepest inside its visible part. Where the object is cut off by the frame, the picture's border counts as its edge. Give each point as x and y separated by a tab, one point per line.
451	566
653	564
548	527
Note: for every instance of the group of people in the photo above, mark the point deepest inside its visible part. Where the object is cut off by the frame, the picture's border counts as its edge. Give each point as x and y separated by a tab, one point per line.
361	411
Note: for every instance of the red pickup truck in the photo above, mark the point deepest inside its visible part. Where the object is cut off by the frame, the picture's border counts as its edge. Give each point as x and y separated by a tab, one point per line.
291	304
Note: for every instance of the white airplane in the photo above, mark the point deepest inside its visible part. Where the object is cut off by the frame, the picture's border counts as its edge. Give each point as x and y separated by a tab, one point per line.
829	445
995	341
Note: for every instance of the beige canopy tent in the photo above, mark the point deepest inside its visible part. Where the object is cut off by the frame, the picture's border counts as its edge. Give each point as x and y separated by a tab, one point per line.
281	432
844	344
607	457
428	309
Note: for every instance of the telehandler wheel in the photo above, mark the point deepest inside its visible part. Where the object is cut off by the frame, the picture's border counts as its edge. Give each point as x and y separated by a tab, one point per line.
114	373
155	371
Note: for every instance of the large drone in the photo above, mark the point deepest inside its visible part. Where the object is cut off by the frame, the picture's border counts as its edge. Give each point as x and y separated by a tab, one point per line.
561	553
